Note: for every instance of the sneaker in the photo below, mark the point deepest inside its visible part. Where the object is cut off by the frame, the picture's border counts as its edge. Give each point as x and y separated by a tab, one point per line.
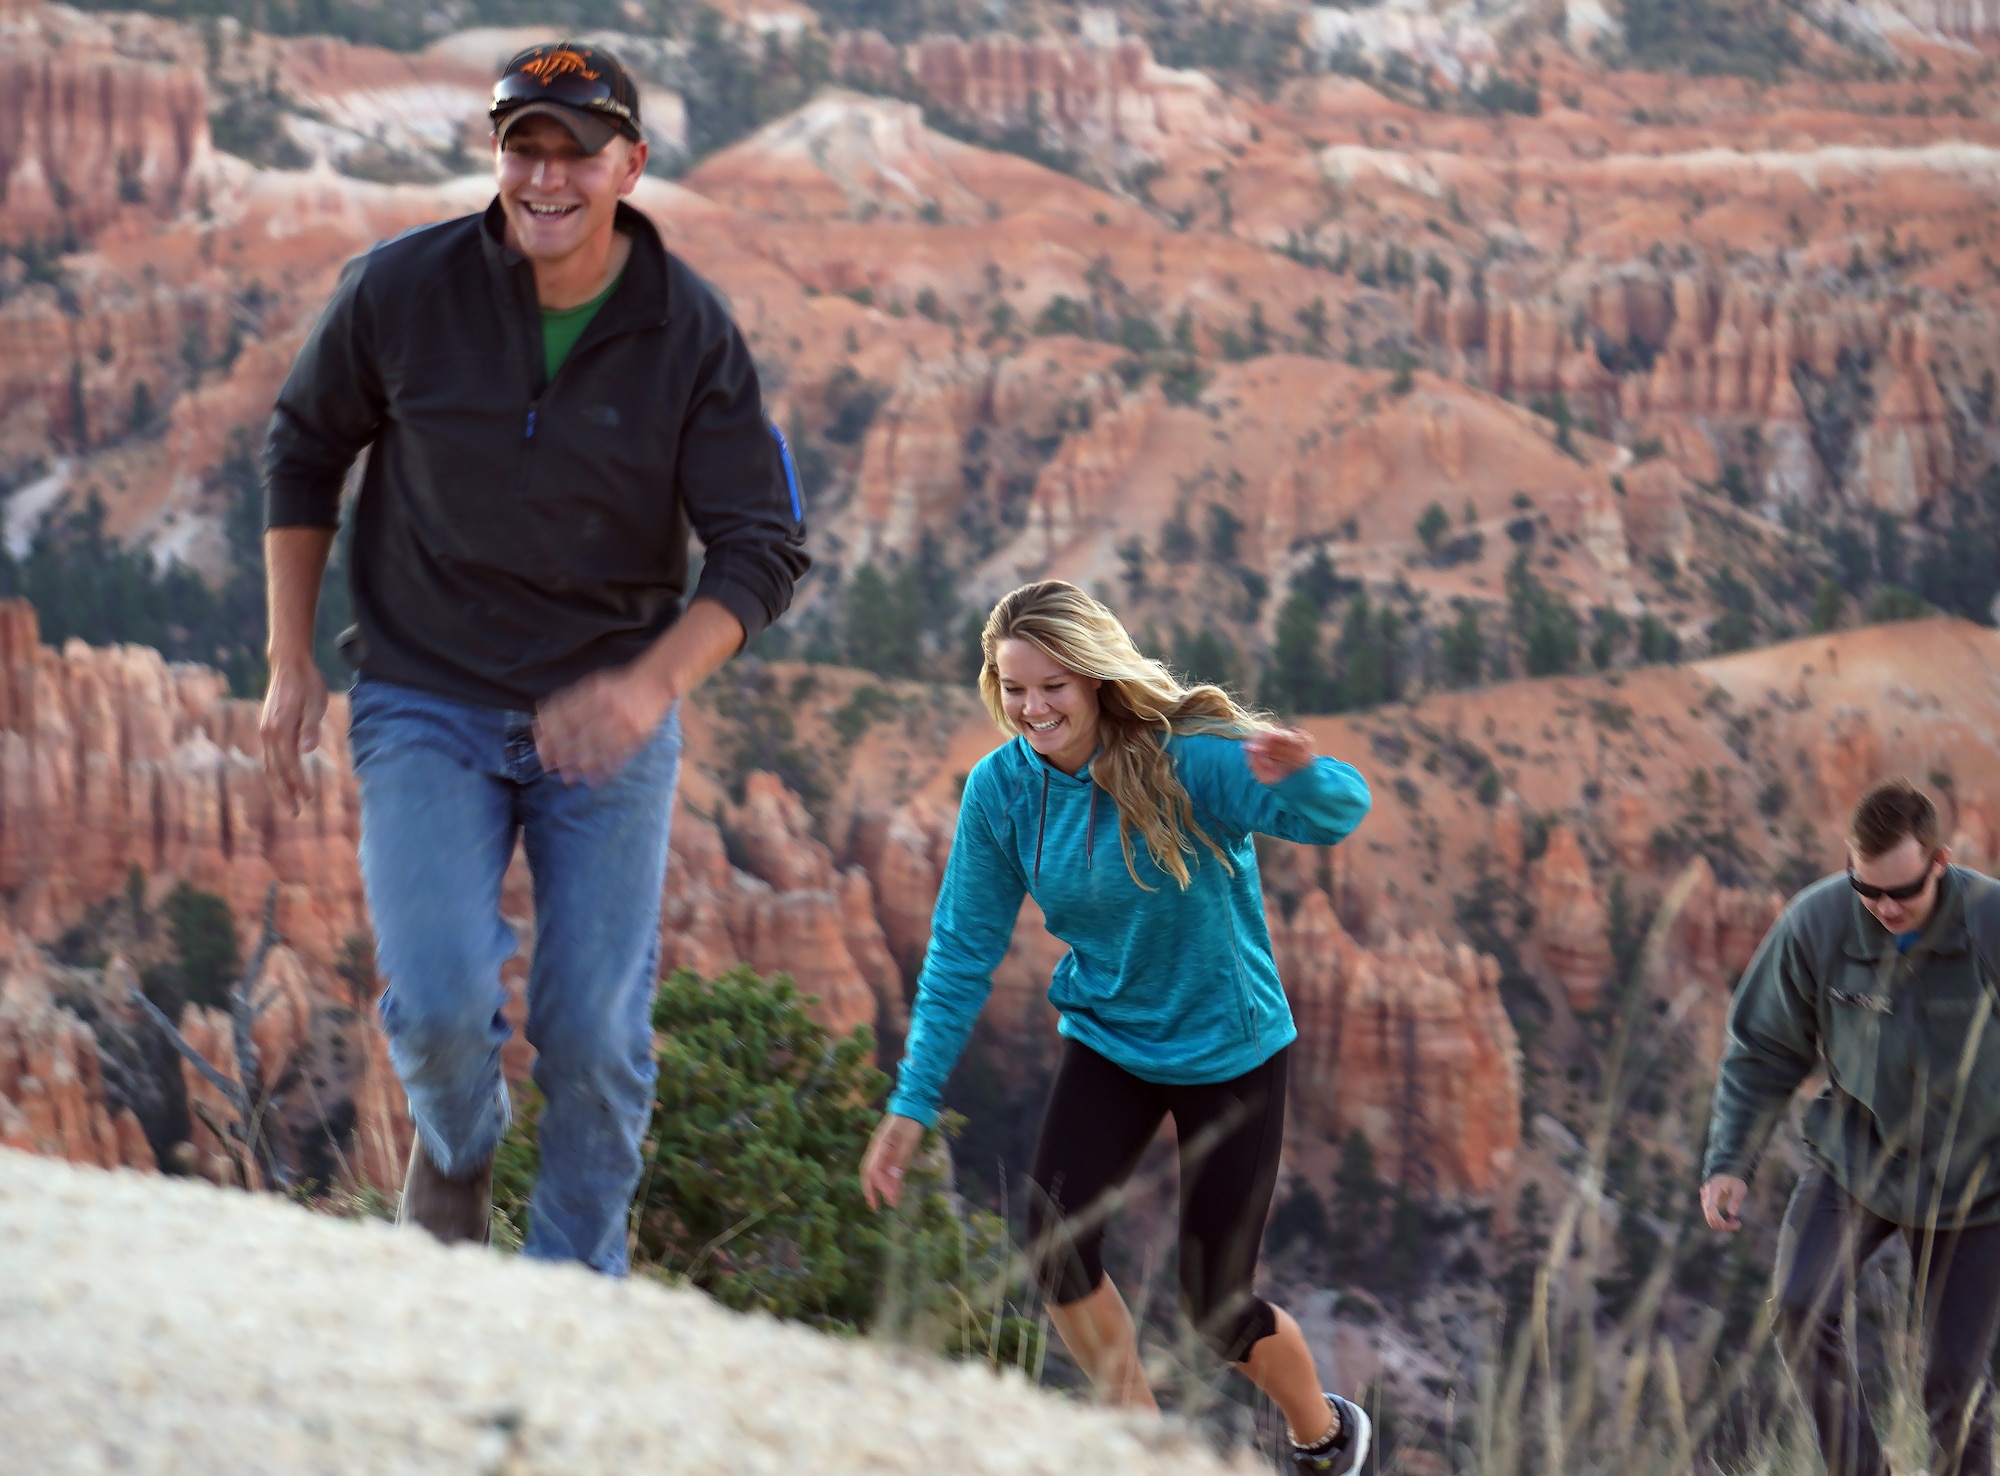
453	1210
1344	1454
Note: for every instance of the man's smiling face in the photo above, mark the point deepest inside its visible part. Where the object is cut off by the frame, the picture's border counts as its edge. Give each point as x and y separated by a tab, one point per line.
558	198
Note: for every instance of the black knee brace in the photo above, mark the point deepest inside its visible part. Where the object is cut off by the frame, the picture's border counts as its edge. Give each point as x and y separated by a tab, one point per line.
1231	1332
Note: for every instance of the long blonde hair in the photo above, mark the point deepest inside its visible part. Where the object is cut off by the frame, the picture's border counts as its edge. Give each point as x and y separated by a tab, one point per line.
1139	706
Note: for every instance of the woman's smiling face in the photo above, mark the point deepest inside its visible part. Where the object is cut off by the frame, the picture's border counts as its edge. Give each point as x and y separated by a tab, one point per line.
1053	707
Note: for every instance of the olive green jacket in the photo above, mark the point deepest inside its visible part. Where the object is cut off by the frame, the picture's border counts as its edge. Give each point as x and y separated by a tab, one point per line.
1909	1121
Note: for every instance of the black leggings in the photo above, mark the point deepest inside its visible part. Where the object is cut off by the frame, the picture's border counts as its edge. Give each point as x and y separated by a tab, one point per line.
1099	1120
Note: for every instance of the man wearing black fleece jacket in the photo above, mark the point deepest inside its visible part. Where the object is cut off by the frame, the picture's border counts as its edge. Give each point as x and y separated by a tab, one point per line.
549	402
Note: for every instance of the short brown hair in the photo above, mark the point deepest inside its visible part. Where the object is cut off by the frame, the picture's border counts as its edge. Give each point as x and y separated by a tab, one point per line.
1891	810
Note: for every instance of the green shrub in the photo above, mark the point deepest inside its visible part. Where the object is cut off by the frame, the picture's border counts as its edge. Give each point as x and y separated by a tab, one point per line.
1063	315
1657	641
1892	603
1183	381
1735	38
751	1188
1224	531
1432	525
860	712
1500	93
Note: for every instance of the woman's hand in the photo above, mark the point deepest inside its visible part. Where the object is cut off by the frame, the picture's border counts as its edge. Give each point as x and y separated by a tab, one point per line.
889	1152
1278	753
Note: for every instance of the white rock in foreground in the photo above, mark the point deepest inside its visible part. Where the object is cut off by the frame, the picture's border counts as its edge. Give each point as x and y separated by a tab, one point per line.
164	1326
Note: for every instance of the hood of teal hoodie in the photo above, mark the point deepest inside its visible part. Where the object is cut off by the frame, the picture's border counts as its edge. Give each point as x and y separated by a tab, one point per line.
1175	985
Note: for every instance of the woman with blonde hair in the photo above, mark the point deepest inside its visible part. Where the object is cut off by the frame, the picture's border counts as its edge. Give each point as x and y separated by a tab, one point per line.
1169	1001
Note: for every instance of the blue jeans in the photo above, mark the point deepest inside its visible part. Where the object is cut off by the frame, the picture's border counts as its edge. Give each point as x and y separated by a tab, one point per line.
445	789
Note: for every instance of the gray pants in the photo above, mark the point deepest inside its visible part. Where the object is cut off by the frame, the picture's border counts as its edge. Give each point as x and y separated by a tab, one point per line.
1826	1238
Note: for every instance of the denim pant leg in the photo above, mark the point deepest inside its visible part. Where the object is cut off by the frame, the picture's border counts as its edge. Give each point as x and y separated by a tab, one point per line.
599	859
437	832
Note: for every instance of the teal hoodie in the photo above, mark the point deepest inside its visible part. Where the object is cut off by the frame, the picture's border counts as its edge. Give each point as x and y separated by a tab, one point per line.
1175	986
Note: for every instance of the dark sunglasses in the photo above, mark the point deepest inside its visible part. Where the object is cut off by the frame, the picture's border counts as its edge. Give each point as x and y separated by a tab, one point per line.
1895	894
572	88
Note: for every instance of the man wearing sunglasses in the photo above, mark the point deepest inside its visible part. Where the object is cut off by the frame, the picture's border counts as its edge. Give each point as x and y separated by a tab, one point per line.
549	401
1883	980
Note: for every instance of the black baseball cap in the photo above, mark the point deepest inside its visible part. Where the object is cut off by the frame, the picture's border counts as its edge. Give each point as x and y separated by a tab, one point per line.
584	88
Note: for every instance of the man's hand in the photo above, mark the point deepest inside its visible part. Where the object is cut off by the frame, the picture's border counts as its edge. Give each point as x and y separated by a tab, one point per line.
294	707
1722	1202
889	1151
588	732
1278	753
295	700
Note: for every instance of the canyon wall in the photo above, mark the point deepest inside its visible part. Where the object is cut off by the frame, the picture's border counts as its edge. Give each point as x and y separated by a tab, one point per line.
88	136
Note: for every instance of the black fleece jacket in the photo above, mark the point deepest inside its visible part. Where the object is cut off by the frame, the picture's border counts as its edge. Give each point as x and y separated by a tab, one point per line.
514	533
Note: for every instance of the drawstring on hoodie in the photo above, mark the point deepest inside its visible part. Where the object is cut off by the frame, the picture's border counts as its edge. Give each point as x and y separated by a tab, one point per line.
1041	825
1089	826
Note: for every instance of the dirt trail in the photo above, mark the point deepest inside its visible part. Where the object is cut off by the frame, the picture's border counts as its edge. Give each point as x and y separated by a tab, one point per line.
165	1326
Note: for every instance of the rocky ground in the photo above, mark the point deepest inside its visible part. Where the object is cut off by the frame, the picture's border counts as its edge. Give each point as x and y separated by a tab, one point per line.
240	1334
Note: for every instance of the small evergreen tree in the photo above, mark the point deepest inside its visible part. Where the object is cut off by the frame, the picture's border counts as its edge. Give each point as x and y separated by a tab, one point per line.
1462	649
1296	679
1892	603
1407	1247
204	938
880	637
1434	523
1204	656
1544	623
1522	1254
1611	632
1657	642
1357	1205
1358	658
1889	547
1132	554
1318	581
1224	531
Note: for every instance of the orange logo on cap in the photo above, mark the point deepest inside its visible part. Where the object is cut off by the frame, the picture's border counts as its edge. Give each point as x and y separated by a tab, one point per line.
559	63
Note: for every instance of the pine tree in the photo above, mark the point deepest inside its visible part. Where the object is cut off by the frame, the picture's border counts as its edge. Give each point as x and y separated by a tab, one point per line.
1358	658
1296	679
1318	581
1357	1205
1463	651
1545	623
1432	526
880	635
